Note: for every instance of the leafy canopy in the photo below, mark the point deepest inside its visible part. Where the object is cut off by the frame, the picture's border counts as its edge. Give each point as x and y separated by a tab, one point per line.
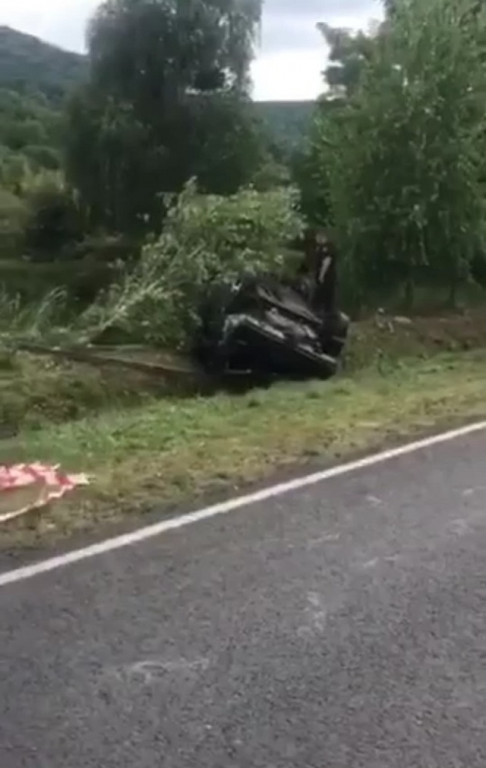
400	160
167	100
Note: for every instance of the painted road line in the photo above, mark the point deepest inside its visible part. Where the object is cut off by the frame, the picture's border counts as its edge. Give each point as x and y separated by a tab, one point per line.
231	505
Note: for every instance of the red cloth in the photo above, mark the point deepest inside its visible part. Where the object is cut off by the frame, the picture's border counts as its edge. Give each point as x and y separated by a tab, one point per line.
24	487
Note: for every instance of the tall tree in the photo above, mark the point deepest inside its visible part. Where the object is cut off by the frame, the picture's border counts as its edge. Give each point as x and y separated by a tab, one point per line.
153	53
349	53
404	155
164	102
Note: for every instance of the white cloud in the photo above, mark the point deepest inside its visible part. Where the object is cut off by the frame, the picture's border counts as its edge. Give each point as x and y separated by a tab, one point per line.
61	22
288	75
290	57
294	71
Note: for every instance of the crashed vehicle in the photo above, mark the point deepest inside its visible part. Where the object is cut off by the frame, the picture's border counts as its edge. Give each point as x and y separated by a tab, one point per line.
268	328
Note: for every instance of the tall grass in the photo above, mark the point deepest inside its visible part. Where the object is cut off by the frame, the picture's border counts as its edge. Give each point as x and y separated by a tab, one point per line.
20	320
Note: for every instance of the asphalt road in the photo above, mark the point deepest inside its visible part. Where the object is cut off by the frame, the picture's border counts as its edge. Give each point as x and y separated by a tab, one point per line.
342	625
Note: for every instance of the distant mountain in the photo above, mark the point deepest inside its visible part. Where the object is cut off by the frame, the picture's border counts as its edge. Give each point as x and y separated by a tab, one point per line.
28	64
287	121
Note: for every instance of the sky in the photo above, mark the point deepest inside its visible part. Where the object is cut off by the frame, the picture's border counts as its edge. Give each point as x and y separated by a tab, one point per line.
290	55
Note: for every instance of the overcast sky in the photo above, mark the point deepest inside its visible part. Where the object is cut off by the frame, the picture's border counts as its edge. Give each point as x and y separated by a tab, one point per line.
291	55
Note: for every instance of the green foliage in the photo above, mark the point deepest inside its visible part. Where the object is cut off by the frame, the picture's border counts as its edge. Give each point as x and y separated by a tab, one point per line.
28	65
157	50
31	68
167	100
286	123
270	175
348	55
241	233
42	156
13	216
30	136
399	161
312	165
111	163
33	80
206	240
52	215
14	168
121	166
82	280
34	77
29	320
221	144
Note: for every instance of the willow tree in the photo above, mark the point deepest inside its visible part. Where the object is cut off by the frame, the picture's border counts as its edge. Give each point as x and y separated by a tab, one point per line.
156	53
166	100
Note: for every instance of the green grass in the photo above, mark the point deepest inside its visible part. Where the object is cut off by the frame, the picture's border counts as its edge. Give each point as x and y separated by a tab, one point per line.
167	451
36	392
31	280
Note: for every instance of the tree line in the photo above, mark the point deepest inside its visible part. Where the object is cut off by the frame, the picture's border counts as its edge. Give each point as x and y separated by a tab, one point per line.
395	164
392	165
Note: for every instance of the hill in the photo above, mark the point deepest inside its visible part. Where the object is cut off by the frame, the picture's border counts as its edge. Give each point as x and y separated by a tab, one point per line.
27	64
286	121
34	78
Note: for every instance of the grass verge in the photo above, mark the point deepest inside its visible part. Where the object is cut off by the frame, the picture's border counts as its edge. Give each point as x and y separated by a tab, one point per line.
166	451
36	392
39	391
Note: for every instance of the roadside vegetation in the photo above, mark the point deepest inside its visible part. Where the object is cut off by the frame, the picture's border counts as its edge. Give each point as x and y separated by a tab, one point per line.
127	191
158	456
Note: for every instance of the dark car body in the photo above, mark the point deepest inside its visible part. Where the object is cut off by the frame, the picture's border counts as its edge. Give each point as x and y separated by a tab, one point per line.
272	328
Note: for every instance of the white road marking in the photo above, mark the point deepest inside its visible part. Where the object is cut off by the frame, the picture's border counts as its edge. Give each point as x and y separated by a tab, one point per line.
150	531
326	539
151	670
374	501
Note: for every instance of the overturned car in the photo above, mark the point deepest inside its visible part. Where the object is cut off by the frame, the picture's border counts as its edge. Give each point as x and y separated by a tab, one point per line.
272	329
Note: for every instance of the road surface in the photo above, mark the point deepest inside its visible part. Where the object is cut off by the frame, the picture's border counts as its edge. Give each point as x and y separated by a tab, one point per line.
340	625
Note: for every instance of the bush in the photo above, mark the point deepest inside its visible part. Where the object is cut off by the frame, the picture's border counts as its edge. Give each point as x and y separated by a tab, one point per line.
41	156
81	280
12	223
105	249
207	239
13	169
53	217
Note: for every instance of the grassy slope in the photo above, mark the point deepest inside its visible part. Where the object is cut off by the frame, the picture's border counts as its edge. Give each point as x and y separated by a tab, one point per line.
166	451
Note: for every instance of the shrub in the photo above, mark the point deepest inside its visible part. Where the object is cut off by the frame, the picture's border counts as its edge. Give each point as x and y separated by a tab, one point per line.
53	217
41	156
12	222
104	249
207	239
